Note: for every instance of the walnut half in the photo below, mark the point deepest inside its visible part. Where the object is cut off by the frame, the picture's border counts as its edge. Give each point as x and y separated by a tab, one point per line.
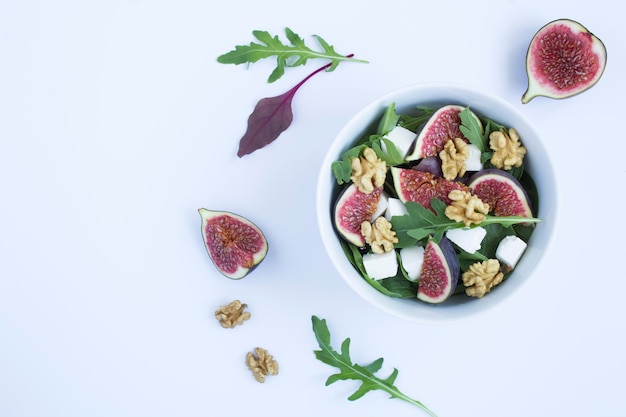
261	363
508	151
466	208
481	277
368	171
379	235
232	314
453	156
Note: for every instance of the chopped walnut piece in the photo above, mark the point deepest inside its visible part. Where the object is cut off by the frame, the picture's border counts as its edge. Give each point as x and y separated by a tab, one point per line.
261	363
232	314
481	277
368	171
453	156
466	208
509	152
379	235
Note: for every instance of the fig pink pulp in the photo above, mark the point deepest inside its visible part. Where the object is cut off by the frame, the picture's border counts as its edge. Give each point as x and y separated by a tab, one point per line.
443	125
440	272
352	208
234	244
504	194
421	186
563	59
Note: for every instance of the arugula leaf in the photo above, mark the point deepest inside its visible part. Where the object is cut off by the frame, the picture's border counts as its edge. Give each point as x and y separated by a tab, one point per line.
342	169
466	259
414	122
287	55
472	129
420	222
398	286
389	120
273	115
390	154
352	371
385	149
490	125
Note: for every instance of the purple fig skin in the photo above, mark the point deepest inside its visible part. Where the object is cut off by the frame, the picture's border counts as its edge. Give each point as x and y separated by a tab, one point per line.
507	180
449	258
563	59
430	164
463	179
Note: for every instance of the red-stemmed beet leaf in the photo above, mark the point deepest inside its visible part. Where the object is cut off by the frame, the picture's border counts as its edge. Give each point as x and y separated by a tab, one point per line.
271	117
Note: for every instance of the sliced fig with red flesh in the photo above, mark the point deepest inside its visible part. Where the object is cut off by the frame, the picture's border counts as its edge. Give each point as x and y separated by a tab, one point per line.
352	208
235	244
502	191
422	186
443	124
563	59
440	272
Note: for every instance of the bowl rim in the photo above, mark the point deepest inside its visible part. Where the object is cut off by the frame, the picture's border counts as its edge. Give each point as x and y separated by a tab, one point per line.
324	188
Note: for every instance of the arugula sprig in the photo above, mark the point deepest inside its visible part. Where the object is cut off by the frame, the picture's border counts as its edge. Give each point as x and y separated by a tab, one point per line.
420	223
479	136
399	286
352	371
414	122
294	54
384	148
473	130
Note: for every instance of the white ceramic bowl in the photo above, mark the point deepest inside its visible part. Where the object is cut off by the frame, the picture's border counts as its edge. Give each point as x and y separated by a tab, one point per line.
537	162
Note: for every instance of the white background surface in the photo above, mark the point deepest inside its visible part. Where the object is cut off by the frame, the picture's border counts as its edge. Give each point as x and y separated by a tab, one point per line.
117	124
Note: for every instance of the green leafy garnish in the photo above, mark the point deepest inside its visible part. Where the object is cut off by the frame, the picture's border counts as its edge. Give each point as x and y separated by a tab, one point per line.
473	130
385	149
353	371
273	115
342	168
397	287
420	223
294	54
388	121
390	153
414	122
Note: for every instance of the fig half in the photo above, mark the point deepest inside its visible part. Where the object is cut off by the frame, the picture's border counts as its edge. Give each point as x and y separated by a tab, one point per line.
440	272
442	125
563	59
502	191
422	186
352	208
235	244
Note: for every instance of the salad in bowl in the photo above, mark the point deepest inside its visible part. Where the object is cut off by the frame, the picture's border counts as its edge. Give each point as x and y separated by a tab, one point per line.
436	202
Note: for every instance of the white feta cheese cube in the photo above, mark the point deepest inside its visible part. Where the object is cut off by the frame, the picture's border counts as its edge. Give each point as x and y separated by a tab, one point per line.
472	163
382	205
395	207
381	265
412	259
510	250
401	137
468	239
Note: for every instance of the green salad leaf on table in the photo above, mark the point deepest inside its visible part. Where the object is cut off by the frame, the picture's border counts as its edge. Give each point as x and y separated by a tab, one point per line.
348	370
